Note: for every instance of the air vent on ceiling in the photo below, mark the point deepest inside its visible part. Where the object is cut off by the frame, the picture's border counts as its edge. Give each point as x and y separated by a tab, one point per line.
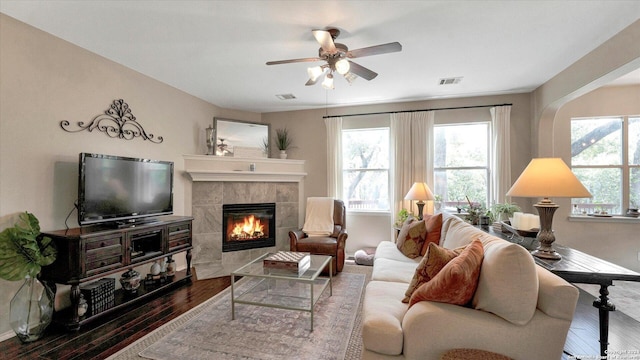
450	81
286	96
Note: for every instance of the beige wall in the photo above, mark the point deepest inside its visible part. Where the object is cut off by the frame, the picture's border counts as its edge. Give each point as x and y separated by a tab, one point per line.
610	240
45	80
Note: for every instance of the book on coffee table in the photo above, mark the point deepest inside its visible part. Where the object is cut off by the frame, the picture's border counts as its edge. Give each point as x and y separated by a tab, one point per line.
287	263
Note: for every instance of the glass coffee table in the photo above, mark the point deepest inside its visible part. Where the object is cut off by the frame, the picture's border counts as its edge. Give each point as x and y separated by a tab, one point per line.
262	287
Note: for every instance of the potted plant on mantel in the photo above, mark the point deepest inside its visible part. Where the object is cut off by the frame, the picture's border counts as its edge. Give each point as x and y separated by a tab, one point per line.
23	252
283	141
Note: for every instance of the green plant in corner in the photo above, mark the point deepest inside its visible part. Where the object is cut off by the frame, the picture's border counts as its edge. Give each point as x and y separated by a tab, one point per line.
23	249
23	253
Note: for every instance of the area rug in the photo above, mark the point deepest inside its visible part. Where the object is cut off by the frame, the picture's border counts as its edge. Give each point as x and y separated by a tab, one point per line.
207	331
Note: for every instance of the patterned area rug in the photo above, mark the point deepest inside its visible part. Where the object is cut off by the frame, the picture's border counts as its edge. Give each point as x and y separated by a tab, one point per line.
207	331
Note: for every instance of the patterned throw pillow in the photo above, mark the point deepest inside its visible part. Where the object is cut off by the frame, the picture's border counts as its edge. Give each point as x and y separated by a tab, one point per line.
434	227
432	262
457	281
402	234
411	244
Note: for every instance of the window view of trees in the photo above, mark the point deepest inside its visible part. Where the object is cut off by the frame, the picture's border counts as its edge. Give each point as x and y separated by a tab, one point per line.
365	164
461	163
605	156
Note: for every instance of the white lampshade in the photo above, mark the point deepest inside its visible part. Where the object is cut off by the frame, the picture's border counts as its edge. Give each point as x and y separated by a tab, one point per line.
342	66
419	191
314	72
328	82
548	177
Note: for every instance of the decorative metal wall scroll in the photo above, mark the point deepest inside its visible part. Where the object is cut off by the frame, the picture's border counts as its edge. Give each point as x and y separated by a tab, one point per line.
116	122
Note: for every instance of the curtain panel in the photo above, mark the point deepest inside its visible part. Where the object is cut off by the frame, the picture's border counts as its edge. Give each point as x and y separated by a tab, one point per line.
412	160
334	156
501	155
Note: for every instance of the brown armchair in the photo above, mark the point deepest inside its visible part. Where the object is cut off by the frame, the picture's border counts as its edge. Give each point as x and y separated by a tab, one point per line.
332	245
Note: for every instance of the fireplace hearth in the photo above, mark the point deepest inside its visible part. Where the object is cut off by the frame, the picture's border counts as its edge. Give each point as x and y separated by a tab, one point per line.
248	226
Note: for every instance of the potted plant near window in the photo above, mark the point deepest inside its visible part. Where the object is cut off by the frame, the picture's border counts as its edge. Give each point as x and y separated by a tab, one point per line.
23	252
283	141
502	212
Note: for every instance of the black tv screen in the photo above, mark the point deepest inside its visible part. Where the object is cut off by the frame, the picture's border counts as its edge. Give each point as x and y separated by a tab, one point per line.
122	189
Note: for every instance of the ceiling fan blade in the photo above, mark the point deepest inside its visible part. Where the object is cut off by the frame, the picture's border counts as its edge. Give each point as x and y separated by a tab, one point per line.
311	82
293	61
375	50
362	71
326	41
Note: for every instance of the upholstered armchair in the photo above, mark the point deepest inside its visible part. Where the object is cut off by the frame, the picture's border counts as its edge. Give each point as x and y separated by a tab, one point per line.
332	245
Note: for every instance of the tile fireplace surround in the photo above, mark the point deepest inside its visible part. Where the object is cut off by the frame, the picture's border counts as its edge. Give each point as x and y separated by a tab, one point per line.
227	180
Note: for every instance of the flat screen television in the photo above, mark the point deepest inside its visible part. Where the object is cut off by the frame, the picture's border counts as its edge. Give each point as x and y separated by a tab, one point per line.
123	190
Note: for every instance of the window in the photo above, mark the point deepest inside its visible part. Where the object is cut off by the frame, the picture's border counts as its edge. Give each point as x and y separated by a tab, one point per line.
605	156
461	163
365	168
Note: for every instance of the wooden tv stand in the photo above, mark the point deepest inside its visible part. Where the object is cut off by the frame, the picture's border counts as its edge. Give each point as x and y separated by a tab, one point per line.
87	254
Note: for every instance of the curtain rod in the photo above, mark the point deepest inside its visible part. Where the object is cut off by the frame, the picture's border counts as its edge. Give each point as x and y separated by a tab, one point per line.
410	111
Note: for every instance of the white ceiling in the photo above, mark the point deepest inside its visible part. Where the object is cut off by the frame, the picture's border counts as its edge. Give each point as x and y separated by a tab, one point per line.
216	50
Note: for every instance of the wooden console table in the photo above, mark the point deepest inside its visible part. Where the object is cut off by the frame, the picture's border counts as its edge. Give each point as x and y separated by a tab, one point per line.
578	267
90	253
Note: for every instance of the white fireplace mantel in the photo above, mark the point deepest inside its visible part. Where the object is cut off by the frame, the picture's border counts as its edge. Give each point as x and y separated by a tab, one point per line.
222	168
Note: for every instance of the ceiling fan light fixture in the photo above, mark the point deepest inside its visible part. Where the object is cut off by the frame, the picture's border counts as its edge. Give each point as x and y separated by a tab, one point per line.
314	72
342	66
328	82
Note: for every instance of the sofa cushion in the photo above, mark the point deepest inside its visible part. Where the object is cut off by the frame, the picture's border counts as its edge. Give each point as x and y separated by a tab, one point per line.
393	270
507	269
457	281
411	244
388	250
459	233
382	314
433	224
432	262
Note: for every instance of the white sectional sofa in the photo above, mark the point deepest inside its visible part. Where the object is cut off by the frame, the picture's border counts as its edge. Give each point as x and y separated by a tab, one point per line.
519	309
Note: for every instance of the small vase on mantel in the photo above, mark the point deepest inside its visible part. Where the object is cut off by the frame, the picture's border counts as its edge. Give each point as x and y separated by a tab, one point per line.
283	154
31	309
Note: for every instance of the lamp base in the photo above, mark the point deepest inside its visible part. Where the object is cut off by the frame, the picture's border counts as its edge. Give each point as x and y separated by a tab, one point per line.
546	254
420	205
545	236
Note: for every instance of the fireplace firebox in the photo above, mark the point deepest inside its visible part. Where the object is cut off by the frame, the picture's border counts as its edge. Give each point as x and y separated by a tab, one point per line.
248	226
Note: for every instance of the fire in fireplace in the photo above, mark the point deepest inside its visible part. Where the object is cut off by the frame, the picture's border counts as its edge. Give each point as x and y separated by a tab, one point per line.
248	226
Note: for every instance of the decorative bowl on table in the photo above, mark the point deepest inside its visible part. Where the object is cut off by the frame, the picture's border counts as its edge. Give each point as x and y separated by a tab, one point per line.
525	233
130	281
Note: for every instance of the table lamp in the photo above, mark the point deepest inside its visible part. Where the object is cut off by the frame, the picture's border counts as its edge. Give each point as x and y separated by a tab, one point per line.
546	178
419	191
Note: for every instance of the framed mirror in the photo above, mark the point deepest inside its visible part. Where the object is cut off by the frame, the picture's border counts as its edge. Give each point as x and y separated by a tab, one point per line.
241	138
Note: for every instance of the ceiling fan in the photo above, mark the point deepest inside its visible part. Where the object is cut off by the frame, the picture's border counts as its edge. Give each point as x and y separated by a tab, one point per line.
337	59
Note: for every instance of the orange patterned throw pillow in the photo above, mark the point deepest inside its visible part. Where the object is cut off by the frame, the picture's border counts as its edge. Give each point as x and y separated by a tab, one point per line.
432	262
433	224
457	281
411	244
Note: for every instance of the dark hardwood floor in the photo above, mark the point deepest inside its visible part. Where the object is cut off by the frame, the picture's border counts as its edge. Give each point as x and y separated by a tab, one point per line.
104	337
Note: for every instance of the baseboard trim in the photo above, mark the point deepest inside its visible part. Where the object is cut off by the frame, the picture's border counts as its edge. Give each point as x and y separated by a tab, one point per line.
7	335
